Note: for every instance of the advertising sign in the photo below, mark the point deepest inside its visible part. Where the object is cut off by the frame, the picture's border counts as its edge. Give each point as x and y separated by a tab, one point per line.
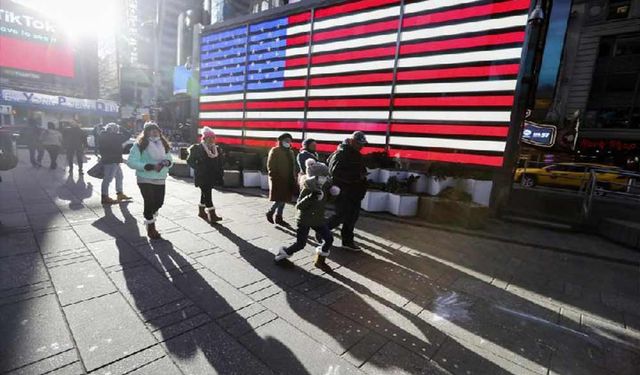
58	102
430	80
539	134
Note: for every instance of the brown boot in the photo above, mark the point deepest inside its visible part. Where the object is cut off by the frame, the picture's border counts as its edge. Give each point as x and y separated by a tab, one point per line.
320	262
152	233
122	197
202	213
213	218
107	200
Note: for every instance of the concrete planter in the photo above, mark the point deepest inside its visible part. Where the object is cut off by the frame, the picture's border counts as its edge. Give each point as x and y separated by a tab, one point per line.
375	201
251	178
386	174
180	169
481	193
405	205
373	174
421	185
264	181
435	186
232	179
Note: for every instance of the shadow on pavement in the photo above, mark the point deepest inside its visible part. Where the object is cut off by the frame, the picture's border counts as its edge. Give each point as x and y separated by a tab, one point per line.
186	330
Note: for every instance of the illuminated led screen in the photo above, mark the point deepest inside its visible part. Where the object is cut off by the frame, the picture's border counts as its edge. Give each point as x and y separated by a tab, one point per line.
431	80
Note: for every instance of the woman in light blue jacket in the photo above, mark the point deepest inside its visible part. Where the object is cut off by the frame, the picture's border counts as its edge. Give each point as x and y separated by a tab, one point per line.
151	160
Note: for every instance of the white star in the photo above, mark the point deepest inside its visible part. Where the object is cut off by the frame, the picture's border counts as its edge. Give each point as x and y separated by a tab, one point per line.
277	39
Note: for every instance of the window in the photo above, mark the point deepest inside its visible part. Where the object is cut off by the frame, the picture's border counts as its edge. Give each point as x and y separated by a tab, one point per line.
618	9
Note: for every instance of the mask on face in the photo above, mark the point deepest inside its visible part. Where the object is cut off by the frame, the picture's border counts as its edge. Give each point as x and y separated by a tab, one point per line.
154	139
322	180
286	144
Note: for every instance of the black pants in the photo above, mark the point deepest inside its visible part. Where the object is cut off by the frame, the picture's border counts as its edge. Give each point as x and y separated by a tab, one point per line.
35	154
153	197
301	239
79	155
53	152
347	214
206	196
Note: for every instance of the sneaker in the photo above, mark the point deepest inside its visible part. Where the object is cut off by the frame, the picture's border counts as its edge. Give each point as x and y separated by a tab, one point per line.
282	254
351	247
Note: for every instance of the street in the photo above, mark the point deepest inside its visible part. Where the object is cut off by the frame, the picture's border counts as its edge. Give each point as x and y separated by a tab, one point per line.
82	290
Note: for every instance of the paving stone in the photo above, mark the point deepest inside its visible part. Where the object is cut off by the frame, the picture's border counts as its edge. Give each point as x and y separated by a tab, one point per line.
288	351
31	331
164	257
210	292
58	240
364	349
316	320
66	362
106	329
135	361
236	272
162	366
80	281
209	350
393	359
187	242
21	270
194	225
89	233
13	220
145	288
17	243
112	252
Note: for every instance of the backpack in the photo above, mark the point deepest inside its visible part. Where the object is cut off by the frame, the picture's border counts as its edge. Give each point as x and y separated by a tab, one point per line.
8	156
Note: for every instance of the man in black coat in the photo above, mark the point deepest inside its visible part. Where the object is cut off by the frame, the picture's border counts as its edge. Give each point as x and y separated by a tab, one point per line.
75	141
110	149
349	173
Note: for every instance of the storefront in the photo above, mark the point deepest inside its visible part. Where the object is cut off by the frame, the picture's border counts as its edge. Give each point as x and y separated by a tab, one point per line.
24	108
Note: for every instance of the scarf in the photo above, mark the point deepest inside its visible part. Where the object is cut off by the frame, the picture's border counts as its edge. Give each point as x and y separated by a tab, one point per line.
156	151
211	150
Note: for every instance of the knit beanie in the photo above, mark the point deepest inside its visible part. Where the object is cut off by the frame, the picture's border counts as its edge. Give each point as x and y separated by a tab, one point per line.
315	168
284	136
112	127
208	133
150	125
307	142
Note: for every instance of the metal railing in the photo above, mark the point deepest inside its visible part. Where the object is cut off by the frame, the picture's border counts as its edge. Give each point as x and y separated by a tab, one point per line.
625	186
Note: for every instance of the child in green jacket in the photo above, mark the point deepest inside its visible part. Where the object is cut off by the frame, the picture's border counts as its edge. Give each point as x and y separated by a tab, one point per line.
315	188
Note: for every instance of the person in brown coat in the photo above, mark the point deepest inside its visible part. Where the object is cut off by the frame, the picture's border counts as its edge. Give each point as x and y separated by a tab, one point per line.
281	169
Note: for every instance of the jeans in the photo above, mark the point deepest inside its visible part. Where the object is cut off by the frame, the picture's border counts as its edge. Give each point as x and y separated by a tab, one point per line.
53	152
112	170
153	197
347	214
301	239
205	196
278	208
78	153
35	154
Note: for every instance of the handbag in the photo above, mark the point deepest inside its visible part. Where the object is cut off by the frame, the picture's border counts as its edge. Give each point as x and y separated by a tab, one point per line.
97	171
8	156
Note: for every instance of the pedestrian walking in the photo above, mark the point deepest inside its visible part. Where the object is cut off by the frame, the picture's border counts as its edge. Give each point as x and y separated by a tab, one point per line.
281	170
315	189
32	139
51	140
207	162
307	152
110	151
348	172
75	141
151	159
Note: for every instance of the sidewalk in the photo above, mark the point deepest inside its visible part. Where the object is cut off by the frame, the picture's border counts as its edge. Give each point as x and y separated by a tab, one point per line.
83	291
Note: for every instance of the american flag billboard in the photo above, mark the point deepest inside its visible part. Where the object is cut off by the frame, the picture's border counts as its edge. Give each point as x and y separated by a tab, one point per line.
427	80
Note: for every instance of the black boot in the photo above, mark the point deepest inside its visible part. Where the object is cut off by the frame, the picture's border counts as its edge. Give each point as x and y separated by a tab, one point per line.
270	217
281	221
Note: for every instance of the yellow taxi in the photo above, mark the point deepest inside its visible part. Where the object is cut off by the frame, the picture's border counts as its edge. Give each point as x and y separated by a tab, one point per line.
571	175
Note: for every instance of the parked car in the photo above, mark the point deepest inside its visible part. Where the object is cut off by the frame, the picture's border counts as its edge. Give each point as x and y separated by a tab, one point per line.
572	176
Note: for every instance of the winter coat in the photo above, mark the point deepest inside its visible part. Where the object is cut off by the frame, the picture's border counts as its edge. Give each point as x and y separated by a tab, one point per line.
138	160
51	138
32	136
209	172
281	169
75	138
110	147
302	158
349	172
310	210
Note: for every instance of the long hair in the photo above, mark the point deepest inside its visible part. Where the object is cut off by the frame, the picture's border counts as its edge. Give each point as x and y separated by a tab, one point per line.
143	141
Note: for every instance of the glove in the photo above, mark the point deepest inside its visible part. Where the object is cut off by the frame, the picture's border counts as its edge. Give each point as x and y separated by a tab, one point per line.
334	190
165	163
149	167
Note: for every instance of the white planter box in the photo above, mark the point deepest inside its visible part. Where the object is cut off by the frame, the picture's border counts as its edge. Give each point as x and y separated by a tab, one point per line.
251	178
402	204
386	174
436	186
373	174
374	201
264	181
421	185
465	184
481	193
